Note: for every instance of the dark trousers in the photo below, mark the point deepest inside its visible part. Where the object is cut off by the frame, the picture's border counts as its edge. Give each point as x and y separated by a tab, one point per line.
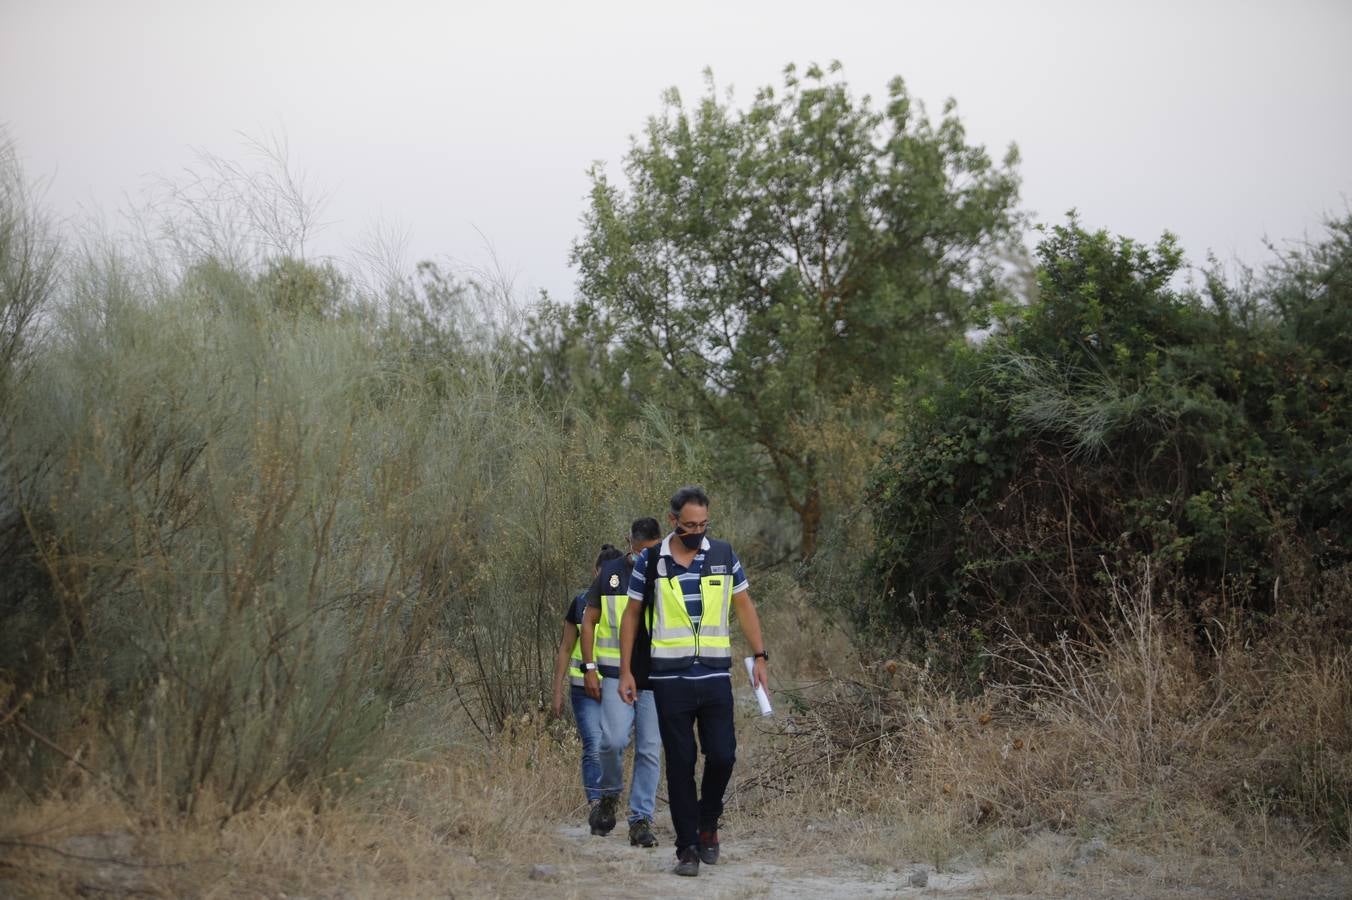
684	705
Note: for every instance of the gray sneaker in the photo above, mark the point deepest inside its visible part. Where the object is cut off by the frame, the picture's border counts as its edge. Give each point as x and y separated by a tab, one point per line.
687	861
641	834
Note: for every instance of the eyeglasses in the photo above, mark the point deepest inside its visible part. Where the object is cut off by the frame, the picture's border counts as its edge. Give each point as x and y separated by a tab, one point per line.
692	527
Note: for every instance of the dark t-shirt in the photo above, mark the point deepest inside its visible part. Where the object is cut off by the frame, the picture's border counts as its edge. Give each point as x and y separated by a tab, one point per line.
575	608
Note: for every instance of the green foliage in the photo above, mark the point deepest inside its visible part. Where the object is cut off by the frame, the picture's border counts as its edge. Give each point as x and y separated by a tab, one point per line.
300	289
29	270
1118	417
761	266
255	521
28	267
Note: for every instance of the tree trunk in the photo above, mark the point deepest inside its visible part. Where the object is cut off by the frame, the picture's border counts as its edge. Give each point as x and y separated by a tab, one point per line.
810	517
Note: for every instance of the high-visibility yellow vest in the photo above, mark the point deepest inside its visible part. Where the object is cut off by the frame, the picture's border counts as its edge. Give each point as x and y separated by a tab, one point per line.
614	580
575	663
607	645
677	642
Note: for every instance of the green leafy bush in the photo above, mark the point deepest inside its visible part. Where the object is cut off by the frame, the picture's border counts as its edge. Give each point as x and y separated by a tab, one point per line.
1119	417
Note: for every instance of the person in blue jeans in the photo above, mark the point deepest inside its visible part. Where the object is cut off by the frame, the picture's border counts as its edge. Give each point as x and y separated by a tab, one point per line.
586	710
606	600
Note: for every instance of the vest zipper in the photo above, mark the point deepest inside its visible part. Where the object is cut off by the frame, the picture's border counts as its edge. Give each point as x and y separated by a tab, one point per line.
694	626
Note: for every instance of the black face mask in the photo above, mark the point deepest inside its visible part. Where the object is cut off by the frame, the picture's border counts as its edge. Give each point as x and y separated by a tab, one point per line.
691	539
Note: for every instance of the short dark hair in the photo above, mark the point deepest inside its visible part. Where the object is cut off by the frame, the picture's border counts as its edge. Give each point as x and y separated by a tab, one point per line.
607	554
691	493
645	529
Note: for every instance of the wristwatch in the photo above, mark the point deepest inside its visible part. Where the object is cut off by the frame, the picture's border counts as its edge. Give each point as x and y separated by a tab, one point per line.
589	667
764	654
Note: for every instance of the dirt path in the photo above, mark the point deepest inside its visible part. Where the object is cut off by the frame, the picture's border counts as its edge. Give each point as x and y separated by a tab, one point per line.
610	868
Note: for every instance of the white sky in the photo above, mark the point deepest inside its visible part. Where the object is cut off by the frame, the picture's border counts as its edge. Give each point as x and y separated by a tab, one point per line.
458	122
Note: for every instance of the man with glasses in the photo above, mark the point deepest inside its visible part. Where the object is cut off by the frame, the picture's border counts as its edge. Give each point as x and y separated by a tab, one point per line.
699	582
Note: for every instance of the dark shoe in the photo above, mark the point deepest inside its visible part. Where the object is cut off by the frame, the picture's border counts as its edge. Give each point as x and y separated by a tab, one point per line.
708	847
687	861
602	816
641	834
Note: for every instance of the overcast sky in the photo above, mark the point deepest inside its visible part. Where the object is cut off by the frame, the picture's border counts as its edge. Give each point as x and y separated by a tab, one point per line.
466	124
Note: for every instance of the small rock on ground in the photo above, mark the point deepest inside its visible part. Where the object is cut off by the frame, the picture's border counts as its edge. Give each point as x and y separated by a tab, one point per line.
544	873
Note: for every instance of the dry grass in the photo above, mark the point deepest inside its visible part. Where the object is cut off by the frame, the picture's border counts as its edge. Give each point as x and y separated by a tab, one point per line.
464	820
1123	766
1229	769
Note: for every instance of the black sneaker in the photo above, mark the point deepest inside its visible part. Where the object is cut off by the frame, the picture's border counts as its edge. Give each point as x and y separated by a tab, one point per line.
687	861
708	847
602	816
641	834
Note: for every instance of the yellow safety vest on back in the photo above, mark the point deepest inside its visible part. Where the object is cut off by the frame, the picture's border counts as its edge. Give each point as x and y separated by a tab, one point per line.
607	648
614	580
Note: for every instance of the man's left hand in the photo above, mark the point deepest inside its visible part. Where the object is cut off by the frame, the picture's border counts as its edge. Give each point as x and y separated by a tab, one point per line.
591	683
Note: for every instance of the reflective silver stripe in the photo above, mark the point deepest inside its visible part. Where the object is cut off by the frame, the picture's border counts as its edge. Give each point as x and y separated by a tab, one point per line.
714	651
664	630
608	642
612	610
720	629
675	652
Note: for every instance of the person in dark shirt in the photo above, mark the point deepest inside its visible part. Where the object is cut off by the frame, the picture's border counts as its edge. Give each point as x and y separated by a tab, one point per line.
586	710
606	600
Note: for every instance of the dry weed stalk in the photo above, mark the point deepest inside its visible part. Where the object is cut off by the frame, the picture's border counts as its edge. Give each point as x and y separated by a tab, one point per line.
1133	726
464	818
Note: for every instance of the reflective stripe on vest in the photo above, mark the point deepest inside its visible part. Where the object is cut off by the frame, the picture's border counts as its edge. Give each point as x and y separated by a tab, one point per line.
676	641
575	663
606	648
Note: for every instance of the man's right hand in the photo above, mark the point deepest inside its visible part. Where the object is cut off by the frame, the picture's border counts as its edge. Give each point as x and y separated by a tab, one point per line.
628	688
556	709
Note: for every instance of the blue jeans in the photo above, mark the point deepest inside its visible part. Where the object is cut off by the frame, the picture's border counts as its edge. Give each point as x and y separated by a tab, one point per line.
617	720
587	712
685	706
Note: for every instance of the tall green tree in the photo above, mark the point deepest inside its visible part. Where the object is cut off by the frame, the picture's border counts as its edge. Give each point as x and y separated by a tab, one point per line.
778	261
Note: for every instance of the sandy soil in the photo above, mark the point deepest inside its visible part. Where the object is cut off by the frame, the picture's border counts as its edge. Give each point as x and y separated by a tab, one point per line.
609	868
